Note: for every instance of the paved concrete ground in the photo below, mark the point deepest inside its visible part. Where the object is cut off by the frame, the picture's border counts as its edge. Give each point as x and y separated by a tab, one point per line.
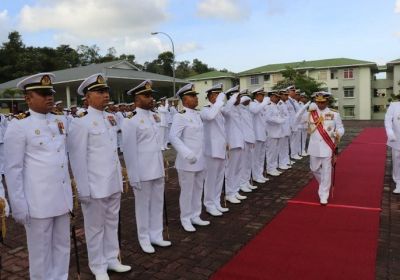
198	255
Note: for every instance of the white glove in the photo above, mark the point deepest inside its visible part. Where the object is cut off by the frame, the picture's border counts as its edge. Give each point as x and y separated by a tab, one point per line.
22	218
220	98
137	186
307	104
84	199
191	158
392	137
265	101
233	98
7	207
312	107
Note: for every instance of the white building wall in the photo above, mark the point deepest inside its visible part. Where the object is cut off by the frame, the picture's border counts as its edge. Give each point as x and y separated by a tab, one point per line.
396	79
364	97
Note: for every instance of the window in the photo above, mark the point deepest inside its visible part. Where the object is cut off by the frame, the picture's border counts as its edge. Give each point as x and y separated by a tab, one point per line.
349	111
322	75
348	92
214	82
267	77
334	74
254	80
348	73
205	82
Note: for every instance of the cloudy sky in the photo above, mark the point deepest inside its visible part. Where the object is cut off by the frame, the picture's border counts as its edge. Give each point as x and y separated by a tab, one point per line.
233	34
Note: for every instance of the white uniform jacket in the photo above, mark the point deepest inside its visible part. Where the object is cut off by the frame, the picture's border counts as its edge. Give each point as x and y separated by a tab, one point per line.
142	152
274	121
392	125
93	154
187	136
36	166
247	124
214	131
286	115
259	111
233	126
163	113
293	108
332	124
119	118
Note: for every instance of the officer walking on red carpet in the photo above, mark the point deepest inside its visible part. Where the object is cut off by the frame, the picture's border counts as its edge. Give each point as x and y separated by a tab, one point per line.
392	126
326	129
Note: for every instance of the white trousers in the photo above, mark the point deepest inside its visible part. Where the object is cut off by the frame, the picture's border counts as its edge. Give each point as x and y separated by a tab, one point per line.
259	154
396	166
272	153
166	136
233	171
295	145
322	168
101	231
283	157
191	184
303	139
2	158
162	131
49	247
149	202
215	169
247	159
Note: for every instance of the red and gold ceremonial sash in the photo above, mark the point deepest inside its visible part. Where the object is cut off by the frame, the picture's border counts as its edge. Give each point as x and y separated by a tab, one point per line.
322	131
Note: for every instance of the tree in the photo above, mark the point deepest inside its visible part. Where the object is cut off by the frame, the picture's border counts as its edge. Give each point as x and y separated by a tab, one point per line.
88	55
162	65
200	67
184	70
300	80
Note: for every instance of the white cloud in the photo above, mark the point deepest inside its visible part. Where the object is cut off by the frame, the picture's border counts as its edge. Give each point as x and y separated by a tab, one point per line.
275	7
4	25
397	7
188	48
93	18
232	10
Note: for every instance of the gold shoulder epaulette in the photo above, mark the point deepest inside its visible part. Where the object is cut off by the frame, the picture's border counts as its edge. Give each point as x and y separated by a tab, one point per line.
132	115
22	116
82	114
182	112
207	106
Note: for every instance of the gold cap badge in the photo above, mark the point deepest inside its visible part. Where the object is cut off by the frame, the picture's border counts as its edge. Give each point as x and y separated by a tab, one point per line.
45	81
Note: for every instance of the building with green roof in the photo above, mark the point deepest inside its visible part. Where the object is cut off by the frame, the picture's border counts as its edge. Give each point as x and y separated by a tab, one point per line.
349	81
121	76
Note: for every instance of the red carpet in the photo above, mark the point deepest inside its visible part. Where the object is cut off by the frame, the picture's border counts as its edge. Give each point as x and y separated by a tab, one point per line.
307	241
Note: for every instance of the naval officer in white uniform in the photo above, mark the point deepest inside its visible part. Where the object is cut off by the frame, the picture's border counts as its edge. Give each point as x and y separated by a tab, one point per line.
38	182
392	126
215	146
326	129
187	137
97	171
145	167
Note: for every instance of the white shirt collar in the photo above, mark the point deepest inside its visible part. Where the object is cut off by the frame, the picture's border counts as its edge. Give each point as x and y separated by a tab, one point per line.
37	115
95	111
